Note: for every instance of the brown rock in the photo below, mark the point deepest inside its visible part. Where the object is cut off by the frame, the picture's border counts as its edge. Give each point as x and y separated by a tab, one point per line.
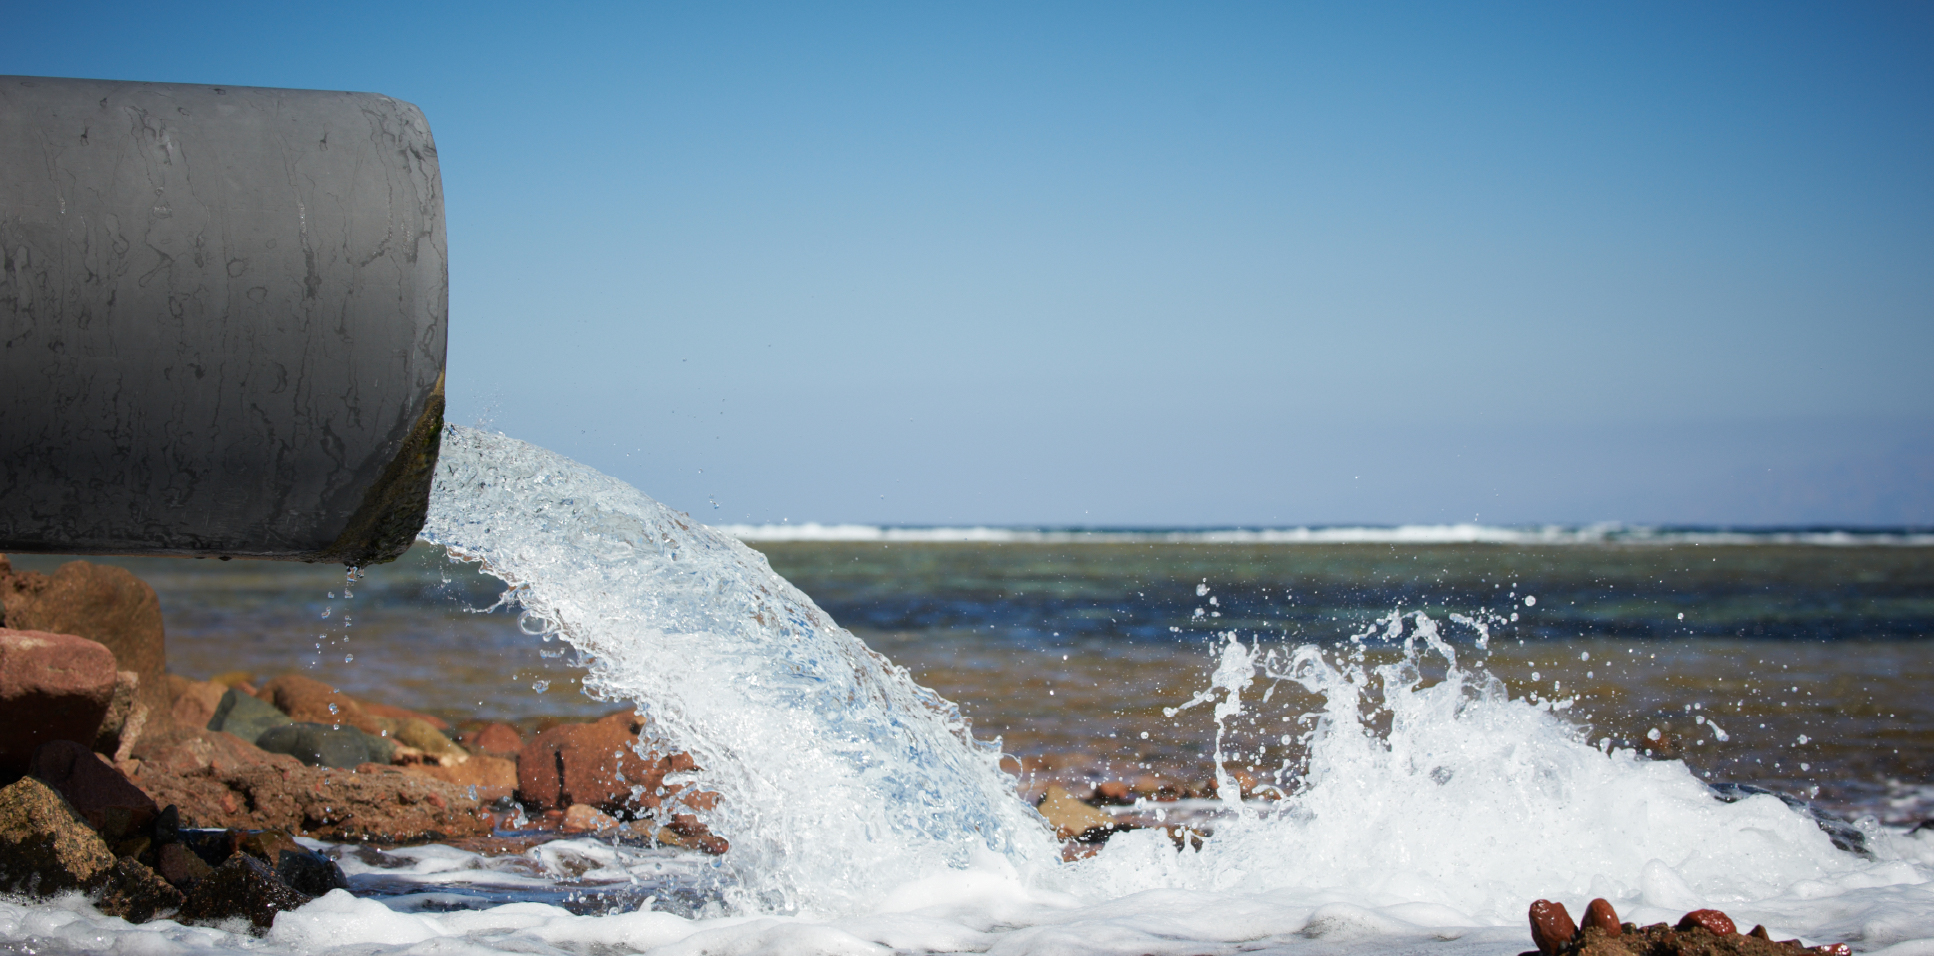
1601	915
583	818
426	742
309	700
595	764
1113	793
241	887
486	779
126	717
45	847
115	808
1551	926
399	713
372	802
184	750
267	845
192	702
495	740
52	687
102	603
1071	818
180	866
136	893
1712	921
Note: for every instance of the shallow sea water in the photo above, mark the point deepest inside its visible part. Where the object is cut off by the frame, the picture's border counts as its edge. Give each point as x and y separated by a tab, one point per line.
1430	800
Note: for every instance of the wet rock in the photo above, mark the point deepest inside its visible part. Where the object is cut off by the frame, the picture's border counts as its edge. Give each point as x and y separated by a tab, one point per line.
308	700
192	703
1071	818
213	846
104	604
115	808
243	887
1551	927
372	802
583	818
310	873
1601	916
595	764
1113	793
1712	921
181	866
136	893
493	740
45	847
323	745
52	687
244	716
487	779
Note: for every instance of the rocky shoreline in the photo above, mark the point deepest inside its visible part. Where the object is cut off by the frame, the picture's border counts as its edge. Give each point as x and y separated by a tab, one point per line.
158	795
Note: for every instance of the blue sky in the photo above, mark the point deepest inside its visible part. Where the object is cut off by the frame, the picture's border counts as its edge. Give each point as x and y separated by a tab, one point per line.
1160	264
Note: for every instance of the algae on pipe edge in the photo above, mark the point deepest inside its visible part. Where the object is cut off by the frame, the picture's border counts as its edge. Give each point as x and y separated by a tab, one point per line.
222	320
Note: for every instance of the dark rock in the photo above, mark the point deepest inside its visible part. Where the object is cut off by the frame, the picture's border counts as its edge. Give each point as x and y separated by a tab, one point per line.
309	700
493	740
115	808
1712	921
213	846
309	872
244	716
243	887
1551	926
45	847
180	865
321	745
1601	915
102	603
136	893
52	687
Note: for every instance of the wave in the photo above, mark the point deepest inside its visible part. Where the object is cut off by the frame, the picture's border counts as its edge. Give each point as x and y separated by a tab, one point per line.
1593	534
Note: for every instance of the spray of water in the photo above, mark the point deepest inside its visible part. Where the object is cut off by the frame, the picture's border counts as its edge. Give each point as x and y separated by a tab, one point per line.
838	778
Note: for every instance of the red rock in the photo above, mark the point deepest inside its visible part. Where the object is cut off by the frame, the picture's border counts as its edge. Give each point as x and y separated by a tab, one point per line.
1112	793
1601	915
103	603
496	740
1712	920
1551	926
52	687
103	797
595	764
399	713
309	700
583	818
192	703
485	778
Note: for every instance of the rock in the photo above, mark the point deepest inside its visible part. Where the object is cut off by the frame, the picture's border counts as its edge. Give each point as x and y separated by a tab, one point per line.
312	701
310	873
487	779
323	745
582	817
1712	921
399	713
136	893
115	808
126	715
52	687
102	603
1601	915
181	866
595	764
244	716
1551	927
45	847
373	802
418	735
493	740
1071	818
214	847
242	887
1112	793
192	703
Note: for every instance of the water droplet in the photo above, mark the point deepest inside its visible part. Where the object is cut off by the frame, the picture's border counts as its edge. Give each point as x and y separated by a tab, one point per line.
1530	600
541	686
349	658
325	611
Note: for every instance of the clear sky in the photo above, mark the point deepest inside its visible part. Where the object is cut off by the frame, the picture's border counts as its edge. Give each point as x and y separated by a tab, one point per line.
1126	264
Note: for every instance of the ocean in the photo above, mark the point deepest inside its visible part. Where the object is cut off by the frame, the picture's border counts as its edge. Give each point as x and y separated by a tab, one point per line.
1455	720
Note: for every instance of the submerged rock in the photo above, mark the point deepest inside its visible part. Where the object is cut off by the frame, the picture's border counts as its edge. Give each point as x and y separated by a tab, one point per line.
52	687
45	847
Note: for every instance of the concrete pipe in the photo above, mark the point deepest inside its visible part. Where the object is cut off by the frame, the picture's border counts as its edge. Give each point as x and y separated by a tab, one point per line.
222	320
